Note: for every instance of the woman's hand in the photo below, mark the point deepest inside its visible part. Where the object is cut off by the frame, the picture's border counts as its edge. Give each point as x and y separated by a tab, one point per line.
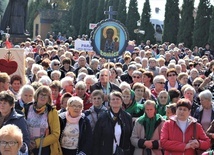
148	144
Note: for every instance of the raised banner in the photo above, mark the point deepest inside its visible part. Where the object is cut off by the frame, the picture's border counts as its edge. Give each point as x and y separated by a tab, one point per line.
82	45
12	61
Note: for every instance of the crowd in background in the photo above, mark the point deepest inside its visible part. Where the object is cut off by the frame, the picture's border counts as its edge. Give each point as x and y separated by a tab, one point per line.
154	100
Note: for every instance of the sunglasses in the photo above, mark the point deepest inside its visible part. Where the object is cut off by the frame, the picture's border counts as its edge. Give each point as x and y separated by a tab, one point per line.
161	82
136	77
171	75
56	64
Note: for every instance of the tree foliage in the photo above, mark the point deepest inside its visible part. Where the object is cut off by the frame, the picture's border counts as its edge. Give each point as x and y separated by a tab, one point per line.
83	19
202	23
100	11
132	18
186	23
146	25
211	30
171	22
121	13
76	15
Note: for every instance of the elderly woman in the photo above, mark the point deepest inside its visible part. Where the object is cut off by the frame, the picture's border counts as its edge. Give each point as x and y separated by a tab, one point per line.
97	108
183	78
148	79
44	134
205	112
172	80
55	91
55	65
146	133
89	81
67	85
189	93
80	90
136	77
25	97
139	90
193	74
76	133
113	129
114	77
182	134
10	140
8	115
130	105
159	82
162	101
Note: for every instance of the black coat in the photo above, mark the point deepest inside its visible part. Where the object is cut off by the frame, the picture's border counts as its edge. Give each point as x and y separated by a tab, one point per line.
103	136
85	133
98	86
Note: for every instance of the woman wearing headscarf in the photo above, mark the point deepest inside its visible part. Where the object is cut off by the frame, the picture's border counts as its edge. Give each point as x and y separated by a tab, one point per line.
113	129
146	133
163	101
181	134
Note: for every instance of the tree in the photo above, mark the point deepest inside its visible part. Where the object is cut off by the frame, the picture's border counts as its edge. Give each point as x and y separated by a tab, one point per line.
211	30
83	20
100	11
171	22
91	17
132	18
121	13
146	25
186	26
202	23
76	15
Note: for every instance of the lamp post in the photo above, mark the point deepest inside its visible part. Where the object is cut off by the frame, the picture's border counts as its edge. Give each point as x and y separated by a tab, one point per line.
138	26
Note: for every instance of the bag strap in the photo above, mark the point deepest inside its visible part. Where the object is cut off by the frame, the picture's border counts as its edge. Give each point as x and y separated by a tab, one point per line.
194	130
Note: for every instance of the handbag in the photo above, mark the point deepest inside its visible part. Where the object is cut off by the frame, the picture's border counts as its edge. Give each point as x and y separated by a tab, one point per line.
197	151
119	150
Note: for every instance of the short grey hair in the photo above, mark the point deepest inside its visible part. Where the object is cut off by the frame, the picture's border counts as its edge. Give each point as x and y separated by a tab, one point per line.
66	81
91	77
53	62
124	85
158	78
55	72
132	67
189	88
206	94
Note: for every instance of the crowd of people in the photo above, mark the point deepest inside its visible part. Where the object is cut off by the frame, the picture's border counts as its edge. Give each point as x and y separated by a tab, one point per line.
154	100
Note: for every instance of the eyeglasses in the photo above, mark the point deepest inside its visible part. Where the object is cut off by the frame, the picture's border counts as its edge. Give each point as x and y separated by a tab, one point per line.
161	82
76	106
136	77
171	75
56	64
10	143
43	95
163	97
196	85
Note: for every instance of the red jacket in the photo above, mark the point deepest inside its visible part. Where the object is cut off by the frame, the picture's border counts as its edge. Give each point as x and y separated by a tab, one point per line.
173	140
86	101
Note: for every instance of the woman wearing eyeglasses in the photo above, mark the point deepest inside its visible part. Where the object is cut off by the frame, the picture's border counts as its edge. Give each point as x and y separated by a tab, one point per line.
10	140
43	123
76	132
172	81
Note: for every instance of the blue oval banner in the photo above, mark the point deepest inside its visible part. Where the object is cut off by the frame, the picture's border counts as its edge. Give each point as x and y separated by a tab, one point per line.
109	39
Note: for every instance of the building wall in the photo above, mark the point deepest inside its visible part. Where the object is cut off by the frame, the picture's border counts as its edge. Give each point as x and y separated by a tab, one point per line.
45	28
36	26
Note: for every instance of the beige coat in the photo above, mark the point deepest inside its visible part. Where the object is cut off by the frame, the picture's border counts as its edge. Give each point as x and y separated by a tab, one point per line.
139	133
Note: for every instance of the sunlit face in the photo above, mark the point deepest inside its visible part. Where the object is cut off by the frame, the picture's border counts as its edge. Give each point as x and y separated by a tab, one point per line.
97	100
113	74
136	78
16	85
160	85
150	110
27	96
115	101
169	112
145	79
88	83
5	108
189	95
69	88
163	98
9	150
42	99
55	77
126	99
182	113
104	77
55	92
75	109
172	77
206	103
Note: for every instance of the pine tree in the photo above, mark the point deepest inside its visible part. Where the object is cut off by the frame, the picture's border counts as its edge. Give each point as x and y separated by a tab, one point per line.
132	18
186	26
202	23
115	5
146	25
91	17
100	11
83	20
1	8
121	13
76	15
211	31
171	22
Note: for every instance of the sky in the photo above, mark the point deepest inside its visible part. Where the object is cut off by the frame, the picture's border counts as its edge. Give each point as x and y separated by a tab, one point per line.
161	5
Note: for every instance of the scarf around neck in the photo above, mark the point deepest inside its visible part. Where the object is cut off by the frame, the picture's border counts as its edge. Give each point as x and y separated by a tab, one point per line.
72	120
149	124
